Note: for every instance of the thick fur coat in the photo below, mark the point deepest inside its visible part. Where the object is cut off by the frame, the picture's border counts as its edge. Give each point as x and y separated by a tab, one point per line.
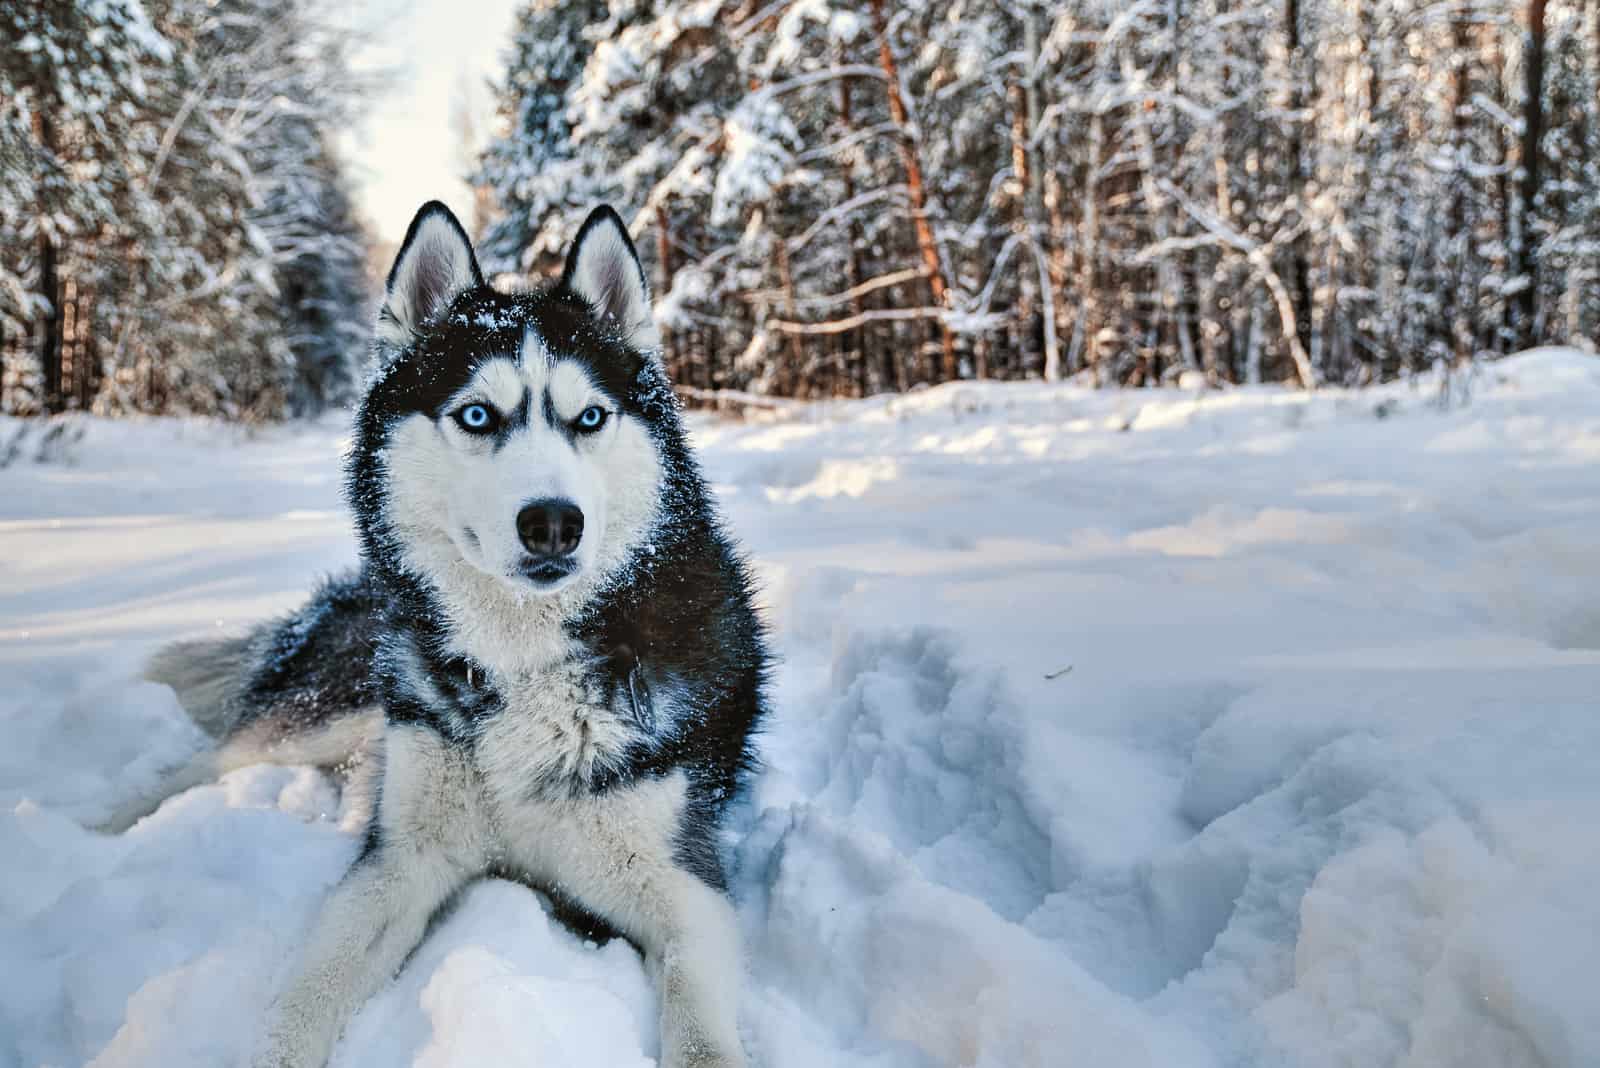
548	656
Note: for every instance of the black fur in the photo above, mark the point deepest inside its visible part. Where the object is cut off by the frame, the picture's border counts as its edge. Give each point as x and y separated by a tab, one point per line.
316	661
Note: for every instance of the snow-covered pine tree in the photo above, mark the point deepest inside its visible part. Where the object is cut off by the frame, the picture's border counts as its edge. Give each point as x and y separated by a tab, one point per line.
169	184
72	83
814	174
1571	291
192	325
537	180
1322	190
303	204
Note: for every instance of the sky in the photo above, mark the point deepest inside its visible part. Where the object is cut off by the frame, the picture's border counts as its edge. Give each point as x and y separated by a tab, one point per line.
439	52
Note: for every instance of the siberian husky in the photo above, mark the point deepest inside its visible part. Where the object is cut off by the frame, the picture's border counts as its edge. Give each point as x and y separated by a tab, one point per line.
549	650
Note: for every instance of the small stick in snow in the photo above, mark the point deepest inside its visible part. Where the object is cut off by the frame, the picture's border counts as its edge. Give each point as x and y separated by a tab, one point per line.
1051	676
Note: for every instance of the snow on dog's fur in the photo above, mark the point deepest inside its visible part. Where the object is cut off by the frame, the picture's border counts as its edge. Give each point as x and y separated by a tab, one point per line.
548	658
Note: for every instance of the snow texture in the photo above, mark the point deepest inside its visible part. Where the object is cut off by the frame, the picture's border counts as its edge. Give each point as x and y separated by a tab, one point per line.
1177	729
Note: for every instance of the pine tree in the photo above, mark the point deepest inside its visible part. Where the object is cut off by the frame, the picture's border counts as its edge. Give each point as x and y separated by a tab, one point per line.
189	241
71	83
848	197
536	176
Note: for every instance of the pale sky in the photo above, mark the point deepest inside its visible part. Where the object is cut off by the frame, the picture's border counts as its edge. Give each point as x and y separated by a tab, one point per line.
407	152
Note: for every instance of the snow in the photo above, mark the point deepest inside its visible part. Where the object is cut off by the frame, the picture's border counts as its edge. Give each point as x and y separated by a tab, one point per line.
1169	728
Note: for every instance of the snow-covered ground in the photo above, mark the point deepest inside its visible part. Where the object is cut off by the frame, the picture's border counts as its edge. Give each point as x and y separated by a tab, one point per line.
1244	728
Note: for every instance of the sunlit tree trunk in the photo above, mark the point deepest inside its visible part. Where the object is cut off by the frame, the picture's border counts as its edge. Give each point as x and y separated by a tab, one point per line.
915	188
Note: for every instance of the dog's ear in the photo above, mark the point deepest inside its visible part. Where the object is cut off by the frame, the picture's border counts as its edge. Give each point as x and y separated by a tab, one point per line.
604	270
434	265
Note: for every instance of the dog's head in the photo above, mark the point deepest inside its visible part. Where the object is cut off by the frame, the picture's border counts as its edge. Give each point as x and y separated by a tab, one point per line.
508	442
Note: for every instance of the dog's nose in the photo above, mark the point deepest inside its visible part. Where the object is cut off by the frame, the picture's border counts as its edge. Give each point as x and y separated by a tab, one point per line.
550	527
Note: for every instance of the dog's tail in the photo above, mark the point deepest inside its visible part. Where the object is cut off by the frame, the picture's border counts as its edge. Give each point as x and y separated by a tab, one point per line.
295	690
208	675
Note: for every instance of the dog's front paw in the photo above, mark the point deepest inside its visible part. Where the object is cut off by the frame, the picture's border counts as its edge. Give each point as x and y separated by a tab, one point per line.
287	1043
274	1054
269	1058
703	1059
701	1054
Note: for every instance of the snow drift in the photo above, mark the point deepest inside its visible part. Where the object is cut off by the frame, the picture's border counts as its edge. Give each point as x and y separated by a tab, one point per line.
1114	728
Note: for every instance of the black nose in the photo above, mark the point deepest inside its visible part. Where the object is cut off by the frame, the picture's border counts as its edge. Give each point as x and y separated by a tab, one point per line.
550	527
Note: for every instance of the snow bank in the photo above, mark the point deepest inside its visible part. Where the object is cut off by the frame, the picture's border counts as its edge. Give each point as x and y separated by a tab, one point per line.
1113	728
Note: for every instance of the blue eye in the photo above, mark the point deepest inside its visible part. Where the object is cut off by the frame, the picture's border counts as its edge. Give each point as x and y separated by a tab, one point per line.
476	419
591	419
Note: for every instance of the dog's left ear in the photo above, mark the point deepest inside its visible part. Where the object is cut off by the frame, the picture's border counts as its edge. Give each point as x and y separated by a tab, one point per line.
604	270
434	265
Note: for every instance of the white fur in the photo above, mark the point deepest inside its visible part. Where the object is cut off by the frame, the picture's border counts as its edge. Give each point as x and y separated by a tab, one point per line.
554	729
606	274
446	815
613	853
454	500
378	913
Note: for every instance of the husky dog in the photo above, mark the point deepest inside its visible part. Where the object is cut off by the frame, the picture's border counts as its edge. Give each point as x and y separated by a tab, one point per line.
549	647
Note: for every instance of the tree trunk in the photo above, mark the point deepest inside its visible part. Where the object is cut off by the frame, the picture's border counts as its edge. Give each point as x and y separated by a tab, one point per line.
1021	224
858	337
914	186
1532	133
94	372
47	326
1169	278
1461	322
797	355
1252	355
1057	248
1034	216
1086	331
1591	326
1496	333
1299	255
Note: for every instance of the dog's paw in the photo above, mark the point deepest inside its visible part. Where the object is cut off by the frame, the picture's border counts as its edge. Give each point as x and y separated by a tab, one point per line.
279	1055
703	1059
702	1054
288	1043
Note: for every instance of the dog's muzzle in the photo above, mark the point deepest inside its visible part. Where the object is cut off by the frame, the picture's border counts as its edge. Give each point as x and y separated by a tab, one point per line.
550	530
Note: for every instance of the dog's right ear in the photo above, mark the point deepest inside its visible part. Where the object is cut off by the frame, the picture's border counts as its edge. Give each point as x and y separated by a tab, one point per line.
604	270
434	265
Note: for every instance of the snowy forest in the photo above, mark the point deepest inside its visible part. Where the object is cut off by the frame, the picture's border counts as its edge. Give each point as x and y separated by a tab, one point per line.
846	198
832	198
179	231
1159	441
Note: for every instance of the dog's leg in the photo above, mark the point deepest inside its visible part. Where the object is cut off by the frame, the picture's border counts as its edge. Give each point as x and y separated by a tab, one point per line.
695	958
200	768
428	843
340	740
690	939
616	855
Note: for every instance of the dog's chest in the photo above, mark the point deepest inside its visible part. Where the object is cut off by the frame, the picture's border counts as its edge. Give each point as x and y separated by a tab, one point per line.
539	761
557	731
